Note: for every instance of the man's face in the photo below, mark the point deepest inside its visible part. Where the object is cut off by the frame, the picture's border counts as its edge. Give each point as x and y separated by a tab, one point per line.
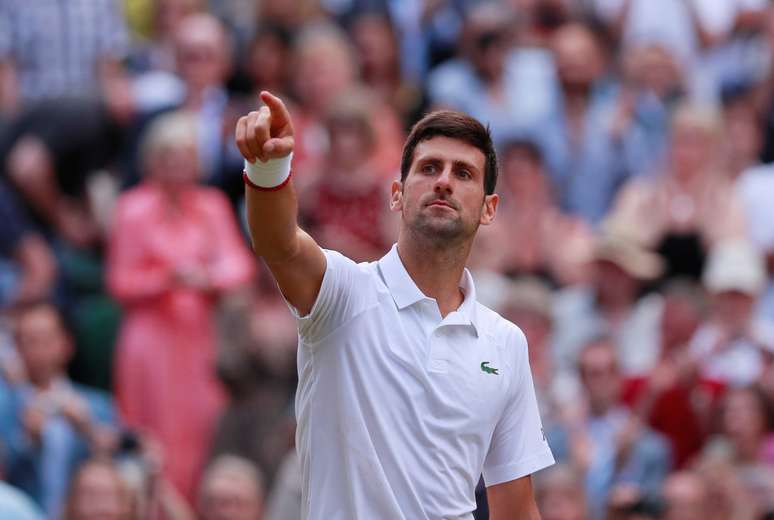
98	495
599	375
43	343
230	496
443	196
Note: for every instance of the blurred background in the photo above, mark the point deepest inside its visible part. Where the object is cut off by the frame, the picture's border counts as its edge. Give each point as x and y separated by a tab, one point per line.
147	359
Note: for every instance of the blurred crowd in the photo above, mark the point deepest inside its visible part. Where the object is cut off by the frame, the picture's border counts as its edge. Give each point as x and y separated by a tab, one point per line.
147	360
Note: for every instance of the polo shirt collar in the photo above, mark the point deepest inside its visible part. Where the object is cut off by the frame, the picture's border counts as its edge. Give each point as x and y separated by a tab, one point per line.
406	293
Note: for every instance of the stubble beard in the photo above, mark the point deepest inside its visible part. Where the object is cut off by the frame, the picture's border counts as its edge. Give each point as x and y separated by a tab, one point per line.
439	231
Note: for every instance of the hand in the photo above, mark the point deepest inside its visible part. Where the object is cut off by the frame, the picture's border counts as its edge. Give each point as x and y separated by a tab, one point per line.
74	409
267	133
33	420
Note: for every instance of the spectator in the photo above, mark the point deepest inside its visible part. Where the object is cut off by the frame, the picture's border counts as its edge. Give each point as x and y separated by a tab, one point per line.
58	51
378	56
98	492
590	138
505	86
522	239
325	67
50	423
175	249
609	445
26	264
610	304
731	346
268	59
691	205
343	207
231	489
51	153
673	398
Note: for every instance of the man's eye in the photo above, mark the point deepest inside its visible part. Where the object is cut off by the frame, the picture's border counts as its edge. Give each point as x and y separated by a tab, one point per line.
428	168
465	174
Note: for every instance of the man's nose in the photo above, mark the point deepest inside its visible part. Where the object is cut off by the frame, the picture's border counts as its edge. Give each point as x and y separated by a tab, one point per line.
443	183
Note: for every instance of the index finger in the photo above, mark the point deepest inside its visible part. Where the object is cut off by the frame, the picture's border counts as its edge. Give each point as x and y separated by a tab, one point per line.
279	112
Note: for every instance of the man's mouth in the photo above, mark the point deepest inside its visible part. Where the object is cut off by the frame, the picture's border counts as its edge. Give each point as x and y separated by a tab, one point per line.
441	202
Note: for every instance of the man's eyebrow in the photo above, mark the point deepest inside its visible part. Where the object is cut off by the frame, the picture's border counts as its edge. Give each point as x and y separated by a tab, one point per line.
465	164
456	163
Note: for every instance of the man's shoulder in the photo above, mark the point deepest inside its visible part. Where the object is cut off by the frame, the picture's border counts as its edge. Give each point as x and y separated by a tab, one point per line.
499	328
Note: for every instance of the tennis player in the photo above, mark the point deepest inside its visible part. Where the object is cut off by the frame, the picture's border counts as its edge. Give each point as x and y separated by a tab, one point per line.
408	388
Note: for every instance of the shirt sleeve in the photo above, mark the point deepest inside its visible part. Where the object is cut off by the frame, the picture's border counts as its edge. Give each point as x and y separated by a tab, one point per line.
344	293
519	446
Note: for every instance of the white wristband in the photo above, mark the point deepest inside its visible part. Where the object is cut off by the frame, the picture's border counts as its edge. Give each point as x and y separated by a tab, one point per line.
270	174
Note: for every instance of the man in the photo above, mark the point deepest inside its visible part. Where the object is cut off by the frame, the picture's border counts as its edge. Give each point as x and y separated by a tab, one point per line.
49	424
231	489
408	387
606	443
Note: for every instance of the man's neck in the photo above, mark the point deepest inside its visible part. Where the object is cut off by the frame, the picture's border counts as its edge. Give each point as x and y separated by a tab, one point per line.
436	270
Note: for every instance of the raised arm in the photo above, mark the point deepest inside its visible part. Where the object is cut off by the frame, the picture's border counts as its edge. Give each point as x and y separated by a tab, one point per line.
293	257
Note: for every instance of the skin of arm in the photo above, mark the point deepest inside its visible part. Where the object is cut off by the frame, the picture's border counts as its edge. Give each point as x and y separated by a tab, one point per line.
512	500
293	257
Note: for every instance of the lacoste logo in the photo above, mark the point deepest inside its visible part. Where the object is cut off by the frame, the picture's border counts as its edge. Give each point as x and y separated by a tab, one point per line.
489	370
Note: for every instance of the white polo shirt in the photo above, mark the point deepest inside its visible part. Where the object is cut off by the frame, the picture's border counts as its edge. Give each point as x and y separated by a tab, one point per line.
400	410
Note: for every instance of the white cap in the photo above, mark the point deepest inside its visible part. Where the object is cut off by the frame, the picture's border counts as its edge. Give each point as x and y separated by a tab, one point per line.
735	265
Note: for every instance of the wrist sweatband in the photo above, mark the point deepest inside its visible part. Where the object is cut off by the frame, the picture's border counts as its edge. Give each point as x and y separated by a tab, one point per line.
268	176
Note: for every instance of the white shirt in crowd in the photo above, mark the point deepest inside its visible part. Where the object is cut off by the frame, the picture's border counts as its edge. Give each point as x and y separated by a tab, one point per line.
400	410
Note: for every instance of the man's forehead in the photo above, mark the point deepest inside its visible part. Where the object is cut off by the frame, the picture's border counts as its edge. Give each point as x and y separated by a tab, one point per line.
448	148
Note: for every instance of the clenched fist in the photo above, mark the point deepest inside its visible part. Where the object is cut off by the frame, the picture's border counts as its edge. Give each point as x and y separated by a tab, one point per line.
266	133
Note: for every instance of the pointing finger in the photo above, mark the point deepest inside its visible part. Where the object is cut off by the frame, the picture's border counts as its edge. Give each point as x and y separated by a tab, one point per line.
279	113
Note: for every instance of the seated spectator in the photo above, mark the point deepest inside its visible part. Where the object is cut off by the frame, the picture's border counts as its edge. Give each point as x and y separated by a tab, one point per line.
345	208
673	398
98	492
51	423
611	305
744	444
493	80
607	443
175	250
746	426
731	346
231	489
591	137
325	67
522	239
27	266
688	207
51	154
378	53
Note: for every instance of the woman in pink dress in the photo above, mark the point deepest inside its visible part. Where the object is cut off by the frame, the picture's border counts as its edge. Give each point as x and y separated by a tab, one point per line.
175	248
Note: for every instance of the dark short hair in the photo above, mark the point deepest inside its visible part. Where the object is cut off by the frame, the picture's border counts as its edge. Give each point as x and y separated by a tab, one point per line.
454	125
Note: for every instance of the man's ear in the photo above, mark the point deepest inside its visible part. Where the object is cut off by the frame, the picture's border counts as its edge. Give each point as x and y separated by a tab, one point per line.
489	209
396	196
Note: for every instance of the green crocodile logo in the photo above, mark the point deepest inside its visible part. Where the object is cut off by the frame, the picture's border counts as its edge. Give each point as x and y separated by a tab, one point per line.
489	370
